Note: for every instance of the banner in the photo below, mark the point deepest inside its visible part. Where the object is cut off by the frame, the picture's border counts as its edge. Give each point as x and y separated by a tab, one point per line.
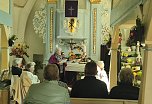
71	8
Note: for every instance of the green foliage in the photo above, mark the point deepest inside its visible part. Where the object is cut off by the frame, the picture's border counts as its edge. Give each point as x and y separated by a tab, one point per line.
14	37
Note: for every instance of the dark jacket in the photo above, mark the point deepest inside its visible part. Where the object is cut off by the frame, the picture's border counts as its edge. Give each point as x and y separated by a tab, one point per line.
16	71
124	91
89	87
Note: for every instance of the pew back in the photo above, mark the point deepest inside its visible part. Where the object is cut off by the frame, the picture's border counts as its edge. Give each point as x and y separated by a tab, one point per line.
101	101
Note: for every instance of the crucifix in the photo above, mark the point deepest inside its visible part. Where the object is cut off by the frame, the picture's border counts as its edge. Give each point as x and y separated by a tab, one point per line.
71	43
71	10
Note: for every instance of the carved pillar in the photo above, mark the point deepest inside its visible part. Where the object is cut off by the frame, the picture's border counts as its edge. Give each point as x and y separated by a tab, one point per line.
113	66
3	48
146	85
94	29
51	29
50	37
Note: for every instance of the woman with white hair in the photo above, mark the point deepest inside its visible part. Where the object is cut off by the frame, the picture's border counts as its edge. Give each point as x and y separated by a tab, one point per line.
101	74
125	88
28	78
16	66
57	59
29	69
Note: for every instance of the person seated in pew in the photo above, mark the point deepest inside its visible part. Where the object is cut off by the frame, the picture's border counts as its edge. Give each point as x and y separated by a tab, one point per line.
89	87
29	70
102	75
125	89
28	78
49	91
16	66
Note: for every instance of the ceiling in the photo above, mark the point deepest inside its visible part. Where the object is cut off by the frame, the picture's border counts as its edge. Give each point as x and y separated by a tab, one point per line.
130	19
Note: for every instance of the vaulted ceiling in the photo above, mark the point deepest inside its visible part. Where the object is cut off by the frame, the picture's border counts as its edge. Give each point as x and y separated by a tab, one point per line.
130	18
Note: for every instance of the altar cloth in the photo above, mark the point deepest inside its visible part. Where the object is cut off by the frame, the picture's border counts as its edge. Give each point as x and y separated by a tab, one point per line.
76	67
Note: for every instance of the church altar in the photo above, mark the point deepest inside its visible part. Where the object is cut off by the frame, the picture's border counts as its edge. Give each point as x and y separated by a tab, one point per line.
72	71
75	67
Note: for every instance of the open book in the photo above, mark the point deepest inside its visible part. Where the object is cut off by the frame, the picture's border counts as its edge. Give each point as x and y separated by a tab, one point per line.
63	61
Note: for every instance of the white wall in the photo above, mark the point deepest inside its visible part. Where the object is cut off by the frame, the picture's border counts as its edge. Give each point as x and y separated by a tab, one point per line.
4	5
33	40
20	16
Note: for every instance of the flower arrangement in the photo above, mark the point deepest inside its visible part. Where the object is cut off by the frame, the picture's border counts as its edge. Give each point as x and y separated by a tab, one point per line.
132	37
20	50
136	33
79	48
106	37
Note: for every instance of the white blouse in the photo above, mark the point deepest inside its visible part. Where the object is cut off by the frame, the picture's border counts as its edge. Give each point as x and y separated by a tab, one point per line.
102	75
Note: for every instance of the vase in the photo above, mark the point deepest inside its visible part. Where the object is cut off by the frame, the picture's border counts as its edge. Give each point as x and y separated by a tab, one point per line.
133	48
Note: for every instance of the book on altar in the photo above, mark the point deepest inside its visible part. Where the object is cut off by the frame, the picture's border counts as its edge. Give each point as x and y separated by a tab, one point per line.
63	61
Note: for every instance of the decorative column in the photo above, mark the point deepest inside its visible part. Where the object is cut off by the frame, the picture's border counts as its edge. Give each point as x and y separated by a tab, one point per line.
3	48
146	85
50	37
51	29
94	40
113	66
100	19
94	29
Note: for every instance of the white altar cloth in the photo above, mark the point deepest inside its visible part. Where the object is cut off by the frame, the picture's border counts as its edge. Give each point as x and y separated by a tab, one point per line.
76	67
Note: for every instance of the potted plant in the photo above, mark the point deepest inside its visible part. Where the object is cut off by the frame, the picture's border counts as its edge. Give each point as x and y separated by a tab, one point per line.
19	51
12	40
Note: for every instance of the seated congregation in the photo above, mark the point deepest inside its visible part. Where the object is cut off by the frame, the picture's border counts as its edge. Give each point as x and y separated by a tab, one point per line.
27	88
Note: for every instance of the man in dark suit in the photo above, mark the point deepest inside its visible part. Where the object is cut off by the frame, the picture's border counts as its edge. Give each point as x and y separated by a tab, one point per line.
89	87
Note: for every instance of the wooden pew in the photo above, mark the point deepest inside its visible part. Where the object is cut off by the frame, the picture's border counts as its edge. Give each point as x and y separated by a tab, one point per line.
4	96
101	101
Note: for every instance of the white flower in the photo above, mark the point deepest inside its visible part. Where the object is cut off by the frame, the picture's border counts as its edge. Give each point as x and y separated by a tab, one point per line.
105	35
